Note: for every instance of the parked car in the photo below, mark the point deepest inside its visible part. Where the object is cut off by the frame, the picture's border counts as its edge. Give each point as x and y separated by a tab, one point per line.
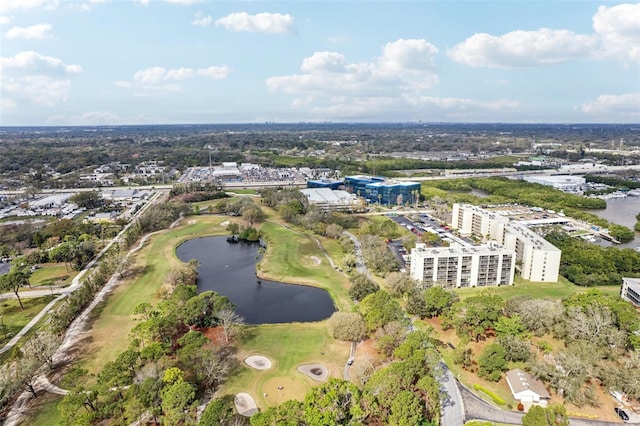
623	415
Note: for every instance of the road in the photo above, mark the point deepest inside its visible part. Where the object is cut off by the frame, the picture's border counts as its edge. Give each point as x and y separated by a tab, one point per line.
347	365
75	283
453	409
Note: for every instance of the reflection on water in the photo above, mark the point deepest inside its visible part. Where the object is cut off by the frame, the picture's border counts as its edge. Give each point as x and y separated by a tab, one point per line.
230	270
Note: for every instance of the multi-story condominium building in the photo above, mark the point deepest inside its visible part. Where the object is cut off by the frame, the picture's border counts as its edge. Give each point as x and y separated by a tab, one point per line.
631	290
458	266
537	259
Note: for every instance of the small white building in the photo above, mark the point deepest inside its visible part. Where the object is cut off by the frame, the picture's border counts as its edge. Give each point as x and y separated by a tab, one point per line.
526	389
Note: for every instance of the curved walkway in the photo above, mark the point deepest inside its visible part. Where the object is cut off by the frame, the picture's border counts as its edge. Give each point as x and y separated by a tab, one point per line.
20	407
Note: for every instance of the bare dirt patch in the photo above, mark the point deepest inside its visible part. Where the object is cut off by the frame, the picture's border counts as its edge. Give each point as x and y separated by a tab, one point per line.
317	372
258	362
245	404
214	334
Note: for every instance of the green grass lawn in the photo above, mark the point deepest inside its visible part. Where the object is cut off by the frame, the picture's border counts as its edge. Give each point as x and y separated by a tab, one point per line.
522	287
13	319
52	274
287	346
291	257
45	411
113	321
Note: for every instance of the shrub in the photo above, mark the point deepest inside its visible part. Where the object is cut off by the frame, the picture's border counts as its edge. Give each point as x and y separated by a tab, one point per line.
490	394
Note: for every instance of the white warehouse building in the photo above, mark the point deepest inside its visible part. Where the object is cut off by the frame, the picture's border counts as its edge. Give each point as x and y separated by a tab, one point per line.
458	266
564	183
538	259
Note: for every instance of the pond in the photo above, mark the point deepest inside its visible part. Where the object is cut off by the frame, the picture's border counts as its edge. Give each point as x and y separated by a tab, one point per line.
230	270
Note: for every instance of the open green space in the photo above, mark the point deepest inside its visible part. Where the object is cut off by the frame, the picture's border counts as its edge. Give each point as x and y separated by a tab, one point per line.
13	319
114	319
522	287
287	346
292	257
45	411
52	274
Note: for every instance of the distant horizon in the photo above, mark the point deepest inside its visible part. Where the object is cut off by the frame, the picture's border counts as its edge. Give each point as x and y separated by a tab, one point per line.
174	62
285	123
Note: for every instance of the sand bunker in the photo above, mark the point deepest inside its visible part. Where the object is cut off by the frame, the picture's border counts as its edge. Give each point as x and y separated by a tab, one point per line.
245	404
225	223
191	222
317	372
316	260
258	362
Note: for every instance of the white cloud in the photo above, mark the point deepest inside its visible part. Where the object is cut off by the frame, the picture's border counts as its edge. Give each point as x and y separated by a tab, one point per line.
329	83
201	20
616	36
217	73
37	31
619	30
160	79
30	61
142	2
404	66
11	5
181	1
4	20
270	23
523	48
32	78
614	107
89	4
97	118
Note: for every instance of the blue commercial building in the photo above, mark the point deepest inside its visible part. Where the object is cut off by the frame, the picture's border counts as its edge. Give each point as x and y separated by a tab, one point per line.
325	183
377	190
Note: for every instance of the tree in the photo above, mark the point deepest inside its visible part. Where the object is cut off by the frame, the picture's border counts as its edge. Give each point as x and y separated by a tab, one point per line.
509	326
389	337
437	299
553	415
14	280
253	215
406	410
219	412
42	347
332	403
399	283
379	309
361	286
348	326
178	403
492	362
88	199
230	321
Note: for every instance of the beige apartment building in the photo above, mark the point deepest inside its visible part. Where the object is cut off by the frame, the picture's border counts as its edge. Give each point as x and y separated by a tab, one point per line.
537	259
458	266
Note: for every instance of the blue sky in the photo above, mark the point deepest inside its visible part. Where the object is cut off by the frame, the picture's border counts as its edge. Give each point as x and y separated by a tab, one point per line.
189	61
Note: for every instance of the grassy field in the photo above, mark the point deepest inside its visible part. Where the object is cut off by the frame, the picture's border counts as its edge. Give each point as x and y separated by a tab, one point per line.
521	287
287	346
13	319
52	274
292	257
44	412
113	320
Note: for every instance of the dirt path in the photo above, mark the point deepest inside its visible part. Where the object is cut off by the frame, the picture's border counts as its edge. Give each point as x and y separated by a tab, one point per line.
72	336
